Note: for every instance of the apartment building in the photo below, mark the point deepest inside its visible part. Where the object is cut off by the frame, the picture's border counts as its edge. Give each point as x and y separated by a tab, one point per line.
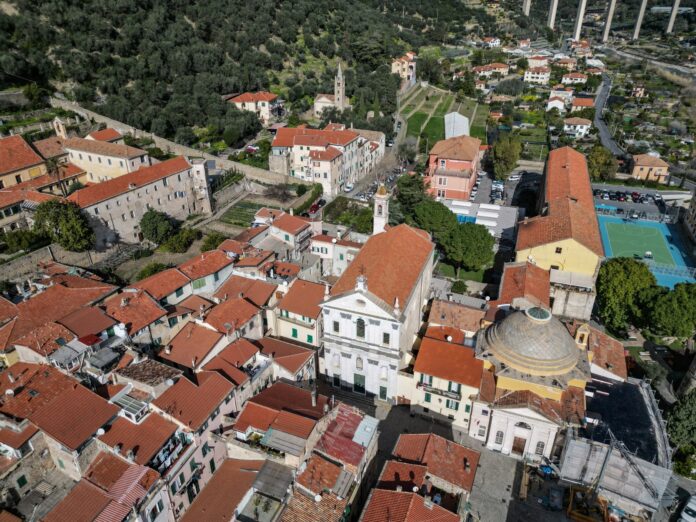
453	167
405	67
261	103
18	162
537	75
576	127
104	160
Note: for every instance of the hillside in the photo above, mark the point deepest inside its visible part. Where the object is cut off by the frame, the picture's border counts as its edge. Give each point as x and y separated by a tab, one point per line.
162	65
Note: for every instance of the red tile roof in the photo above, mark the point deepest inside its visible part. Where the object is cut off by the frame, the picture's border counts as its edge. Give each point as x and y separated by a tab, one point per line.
106	190
301	508
325	238
67	172
85	503
229	361
50	147
577	121
252	97
385	278
403	506
284	396
254	290
288	355
287	137
107	134
255	416
303	298
648	160
320	475
17	438
103	148
144	439
524	280
570	409
330	154
234	246
235	312
16	154
205	264
455	315
402	474
220	498
607	353
86	321
135	310
337	441
463	148
449	361
163	283
191	404
290	224
191	345
445	459
250	233
583	102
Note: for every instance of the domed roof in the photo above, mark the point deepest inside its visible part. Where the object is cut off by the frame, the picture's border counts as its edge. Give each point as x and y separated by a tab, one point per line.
533	342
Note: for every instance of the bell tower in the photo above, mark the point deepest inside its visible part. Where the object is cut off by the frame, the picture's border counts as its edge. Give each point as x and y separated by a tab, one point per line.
380	215
339	90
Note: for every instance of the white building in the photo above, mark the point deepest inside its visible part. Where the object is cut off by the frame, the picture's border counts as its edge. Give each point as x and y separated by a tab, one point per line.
336	254
574	78
103	160
576	127
374	312
405	67
537	75
336	100
456	125
556	102
537	61
261	103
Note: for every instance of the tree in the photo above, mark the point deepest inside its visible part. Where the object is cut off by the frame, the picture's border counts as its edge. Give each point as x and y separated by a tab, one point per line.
156	226
673	312
601	163
65	224
522	63
151	269
505	154
435	218
407	150
620	283
681	423
410	192
212	241
459	287
469	246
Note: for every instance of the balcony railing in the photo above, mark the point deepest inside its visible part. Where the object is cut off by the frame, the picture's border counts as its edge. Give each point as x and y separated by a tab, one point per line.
437	391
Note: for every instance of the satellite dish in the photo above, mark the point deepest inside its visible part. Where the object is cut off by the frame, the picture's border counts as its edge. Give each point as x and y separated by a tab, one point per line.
415	489
100	432
317	498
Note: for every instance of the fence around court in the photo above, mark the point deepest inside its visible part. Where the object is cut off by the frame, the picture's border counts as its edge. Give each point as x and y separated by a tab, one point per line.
671	270
667	218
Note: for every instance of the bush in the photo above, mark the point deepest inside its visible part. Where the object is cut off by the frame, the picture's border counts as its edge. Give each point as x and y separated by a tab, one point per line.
301	190
459	287
141	253
317	191
151	269
156	226
23	239
212	241
181	241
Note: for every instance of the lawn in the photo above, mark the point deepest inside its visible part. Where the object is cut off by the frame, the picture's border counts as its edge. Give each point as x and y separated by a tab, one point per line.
432	101
478	131
435	130
481	115
241	214
413	102
444	106
415	123
466	107
449	271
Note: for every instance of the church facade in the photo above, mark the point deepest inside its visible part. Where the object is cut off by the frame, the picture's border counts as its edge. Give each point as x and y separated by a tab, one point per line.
337	99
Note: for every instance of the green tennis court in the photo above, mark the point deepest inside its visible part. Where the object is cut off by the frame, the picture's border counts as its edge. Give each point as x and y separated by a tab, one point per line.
628	240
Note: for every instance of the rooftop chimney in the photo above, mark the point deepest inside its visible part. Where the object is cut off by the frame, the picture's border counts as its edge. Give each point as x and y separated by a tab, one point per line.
361	283
314	398
124	302
326	292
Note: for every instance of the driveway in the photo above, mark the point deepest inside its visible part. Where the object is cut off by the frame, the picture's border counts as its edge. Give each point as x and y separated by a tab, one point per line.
600	101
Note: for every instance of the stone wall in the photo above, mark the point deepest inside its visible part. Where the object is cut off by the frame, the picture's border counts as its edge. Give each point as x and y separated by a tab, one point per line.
255	173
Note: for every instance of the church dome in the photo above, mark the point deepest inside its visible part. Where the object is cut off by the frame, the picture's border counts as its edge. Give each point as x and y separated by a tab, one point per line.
533	342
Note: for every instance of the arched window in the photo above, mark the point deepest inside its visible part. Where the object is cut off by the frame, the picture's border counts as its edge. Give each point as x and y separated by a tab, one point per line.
539	448
336	360
379	210
359	363
499	437
360	327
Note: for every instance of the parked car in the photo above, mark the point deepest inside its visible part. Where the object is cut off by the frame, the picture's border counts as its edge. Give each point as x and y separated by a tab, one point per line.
252	148
597	193
348	187
688	513
314	208
321	203
514	177
390	143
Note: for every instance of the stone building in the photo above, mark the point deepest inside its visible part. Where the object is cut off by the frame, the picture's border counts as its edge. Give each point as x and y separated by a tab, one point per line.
337	99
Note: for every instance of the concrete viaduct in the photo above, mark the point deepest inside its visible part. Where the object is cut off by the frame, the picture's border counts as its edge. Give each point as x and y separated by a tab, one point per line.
527	4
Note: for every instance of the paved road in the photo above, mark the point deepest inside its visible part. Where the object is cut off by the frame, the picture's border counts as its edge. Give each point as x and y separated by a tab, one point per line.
604	134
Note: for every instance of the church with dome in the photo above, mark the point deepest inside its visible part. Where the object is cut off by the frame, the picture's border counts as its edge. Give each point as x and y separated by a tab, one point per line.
533	383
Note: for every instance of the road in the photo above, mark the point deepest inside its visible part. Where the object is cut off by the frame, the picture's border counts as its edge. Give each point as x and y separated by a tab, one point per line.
604	134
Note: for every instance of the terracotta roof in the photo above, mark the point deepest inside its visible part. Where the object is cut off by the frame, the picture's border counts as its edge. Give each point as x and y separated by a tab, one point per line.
284	269
16	154
449	313
527	281
254	97
487	390
107	134
103	148
149	372
386	279
575	75
449	361
135	310
287	137
445	459
6	516
290	224
556	98
205	264
288	355
144	439
463	148
255	416
230	360
234	246
607	353
191	404
191	345
648	160
235	312
250	233
403	506
570	409
583	102
538	70
445	333
567	176
284	396
320	475
86	321
577	121
163	283
303	298
404	474
111	188
67	172
17	438
254	290
338	442
293	424
330	154
12	196
223	493
84	503
325	238
301	508
50	147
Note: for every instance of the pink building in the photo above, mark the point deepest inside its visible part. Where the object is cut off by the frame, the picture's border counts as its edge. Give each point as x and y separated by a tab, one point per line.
452	167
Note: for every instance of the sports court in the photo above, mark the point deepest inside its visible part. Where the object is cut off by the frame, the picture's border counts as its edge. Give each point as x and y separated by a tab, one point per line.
670	261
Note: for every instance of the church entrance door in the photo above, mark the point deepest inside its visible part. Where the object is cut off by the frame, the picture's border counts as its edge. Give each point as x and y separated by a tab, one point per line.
518	445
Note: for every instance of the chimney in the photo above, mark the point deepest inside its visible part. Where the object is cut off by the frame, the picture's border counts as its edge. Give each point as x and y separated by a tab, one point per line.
124	302
10	377
117	449
326	292
314	398
224	298
168	349
292	211
397	308
399	487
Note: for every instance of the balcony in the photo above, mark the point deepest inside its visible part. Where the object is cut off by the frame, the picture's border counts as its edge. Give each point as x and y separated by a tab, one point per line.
457	396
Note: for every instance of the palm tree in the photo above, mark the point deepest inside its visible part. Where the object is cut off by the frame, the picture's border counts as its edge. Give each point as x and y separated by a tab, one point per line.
53	169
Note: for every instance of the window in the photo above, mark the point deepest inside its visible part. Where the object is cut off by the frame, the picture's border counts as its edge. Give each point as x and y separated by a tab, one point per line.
454	387
340	257
559	250
426	379
482	431
467	408
205	449
173	321
360	328
193	465
212	466
294	333
539	450
385	338
22	481
96	210
359	363
310	339
443	182
199	283
60	464
499	437
216	277
452	405
427	397
336	327
287	237
179	292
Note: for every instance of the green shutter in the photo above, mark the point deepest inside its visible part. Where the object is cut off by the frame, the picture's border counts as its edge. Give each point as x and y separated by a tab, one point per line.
310	338
294	333
427	397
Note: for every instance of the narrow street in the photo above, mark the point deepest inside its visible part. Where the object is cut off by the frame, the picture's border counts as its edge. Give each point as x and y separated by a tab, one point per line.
604	134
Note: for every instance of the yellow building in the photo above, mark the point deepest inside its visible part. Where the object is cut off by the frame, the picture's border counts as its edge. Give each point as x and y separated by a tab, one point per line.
18	162
649	168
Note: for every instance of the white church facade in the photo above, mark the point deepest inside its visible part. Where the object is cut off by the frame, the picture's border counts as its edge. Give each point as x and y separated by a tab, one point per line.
337	99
